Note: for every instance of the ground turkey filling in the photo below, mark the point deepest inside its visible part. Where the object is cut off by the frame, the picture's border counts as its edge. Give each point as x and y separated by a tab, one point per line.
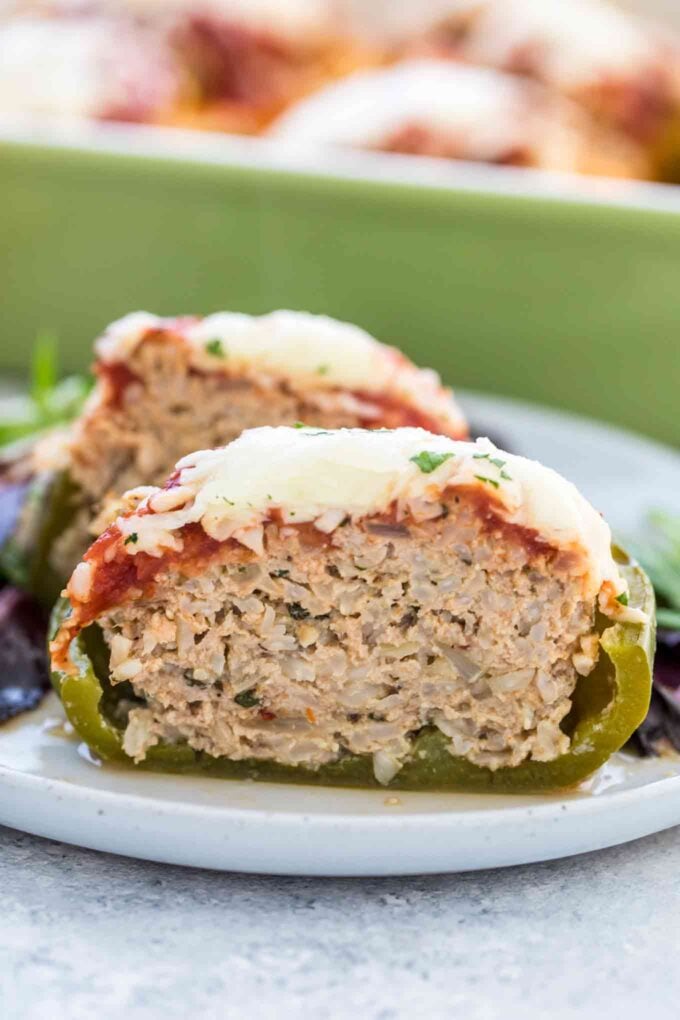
353	643
161	409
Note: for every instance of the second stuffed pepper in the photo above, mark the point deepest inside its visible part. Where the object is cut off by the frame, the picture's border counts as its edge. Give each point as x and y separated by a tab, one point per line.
358	608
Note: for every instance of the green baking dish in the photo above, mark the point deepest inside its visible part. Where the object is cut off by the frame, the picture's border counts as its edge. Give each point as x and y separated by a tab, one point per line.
555	290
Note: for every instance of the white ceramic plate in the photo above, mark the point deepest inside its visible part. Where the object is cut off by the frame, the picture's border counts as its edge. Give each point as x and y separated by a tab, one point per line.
50	787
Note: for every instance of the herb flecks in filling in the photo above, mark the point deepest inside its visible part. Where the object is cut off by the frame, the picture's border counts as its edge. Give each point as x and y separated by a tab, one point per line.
342	640
297	611
247	699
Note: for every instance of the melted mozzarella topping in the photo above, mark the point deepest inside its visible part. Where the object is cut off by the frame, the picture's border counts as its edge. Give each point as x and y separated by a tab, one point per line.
570	42
319	476
53	66
82	66
291	18
485	112
390	22
310	351
288	18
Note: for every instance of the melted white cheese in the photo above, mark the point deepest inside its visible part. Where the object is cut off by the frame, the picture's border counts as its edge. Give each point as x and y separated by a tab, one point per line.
485	112
368	106
310	351
570	42
310	475
393	22
296	20
291	18
82	65
53	66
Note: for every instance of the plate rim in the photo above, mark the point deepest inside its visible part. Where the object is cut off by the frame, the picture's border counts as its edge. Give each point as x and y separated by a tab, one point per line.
541	810
260	841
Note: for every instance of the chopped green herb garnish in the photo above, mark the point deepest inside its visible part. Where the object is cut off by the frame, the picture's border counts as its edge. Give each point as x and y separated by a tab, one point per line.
489	481
299	425
497	462
297	611
429	461
280	573
216	348
623	598
247	699
229	501
323	370
132	539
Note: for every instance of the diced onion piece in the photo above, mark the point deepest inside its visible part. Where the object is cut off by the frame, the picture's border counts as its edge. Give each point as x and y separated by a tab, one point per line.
385	767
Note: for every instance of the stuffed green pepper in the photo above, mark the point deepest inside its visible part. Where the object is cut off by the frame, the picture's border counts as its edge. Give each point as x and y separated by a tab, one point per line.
358	607
167	386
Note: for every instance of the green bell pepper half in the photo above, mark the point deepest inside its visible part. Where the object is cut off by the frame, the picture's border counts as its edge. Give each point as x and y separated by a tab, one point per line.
608	706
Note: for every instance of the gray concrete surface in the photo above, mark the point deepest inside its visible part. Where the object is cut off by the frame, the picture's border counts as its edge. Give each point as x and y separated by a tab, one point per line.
89	936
